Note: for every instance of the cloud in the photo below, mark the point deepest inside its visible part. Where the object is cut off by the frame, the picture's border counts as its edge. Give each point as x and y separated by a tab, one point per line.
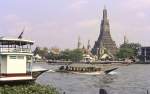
44	33
131	16
77	4
61	26
88	23
141	15
13	24
136	4
11	18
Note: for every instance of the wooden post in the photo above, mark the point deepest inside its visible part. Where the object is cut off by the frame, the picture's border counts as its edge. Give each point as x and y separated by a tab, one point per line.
102	91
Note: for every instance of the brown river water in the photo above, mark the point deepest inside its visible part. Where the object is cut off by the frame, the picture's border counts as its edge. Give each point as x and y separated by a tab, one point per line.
132	79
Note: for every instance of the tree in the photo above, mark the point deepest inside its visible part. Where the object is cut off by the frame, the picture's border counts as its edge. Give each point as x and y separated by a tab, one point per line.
36	51
128	50
54	54
44	52
41	51
125	53
76	55
65	55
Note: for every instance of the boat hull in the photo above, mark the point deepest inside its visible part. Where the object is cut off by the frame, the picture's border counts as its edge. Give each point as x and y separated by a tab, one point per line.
16	80
36	74
29	78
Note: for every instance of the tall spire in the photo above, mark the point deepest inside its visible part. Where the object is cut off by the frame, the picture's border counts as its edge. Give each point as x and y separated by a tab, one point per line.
104	41
88	46
79	42
125	39
104	13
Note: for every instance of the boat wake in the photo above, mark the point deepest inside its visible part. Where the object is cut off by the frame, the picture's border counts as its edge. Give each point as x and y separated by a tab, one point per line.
51	71
113	73
37	68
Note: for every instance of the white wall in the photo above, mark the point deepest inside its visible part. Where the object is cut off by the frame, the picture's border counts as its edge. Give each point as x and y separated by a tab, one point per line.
3	59
16	65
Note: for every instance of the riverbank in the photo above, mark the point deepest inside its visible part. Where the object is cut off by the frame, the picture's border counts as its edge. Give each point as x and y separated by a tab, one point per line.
28	89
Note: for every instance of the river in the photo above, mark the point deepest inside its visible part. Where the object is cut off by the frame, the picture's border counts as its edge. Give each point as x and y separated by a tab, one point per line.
132	79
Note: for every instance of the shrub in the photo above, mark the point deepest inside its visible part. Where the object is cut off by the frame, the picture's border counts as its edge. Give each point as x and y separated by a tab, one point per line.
27	89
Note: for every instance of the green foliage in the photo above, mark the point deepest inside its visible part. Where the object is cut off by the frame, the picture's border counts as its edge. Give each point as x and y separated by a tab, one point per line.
130	45
53	56
56	54
76	55
42	52
36	51
27	89
73	55
65	54
128	50
125	53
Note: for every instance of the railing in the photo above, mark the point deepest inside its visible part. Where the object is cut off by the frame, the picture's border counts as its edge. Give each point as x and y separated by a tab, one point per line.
15	50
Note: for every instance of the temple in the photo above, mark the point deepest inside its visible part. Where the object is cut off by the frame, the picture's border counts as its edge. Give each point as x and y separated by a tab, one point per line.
104	46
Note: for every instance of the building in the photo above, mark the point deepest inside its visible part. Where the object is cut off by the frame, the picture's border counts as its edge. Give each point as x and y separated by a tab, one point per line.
144	54
104	44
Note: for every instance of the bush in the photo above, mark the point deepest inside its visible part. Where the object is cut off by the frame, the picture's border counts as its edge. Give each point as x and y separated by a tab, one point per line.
27	89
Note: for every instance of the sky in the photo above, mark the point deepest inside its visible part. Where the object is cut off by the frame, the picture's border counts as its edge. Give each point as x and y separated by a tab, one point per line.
59	23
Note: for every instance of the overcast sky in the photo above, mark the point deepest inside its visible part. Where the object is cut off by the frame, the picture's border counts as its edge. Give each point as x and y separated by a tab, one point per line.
59	22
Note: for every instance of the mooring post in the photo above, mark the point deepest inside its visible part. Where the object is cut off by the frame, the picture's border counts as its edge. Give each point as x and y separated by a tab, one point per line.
102	91
64	92
147	91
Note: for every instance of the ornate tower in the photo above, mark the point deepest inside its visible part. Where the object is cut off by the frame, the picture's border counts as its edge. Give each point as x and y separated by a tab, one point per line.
104	42
88	45
79	42
125	39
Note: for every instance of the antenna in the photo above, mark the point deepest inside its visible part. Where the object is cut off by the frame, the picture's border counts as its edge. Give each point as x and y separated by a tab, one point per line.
20	36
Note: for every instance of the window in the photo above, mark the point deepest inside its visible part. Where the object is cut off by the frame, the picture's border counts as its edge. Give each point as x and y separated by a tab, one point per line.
12	57
20	57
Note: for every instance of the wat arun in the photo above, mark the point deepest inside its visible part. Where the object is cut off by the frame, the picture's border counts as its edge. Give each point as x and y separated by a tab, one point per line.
104	44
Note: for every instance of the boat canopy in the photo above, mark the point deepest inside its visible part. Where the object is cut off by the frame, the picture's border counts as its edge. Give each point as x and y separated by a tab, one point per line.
14	41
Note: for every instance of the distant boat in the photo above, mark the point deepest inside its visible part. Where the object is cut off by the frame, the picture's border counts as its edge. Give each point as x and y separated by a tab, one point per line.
16	60
89	73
